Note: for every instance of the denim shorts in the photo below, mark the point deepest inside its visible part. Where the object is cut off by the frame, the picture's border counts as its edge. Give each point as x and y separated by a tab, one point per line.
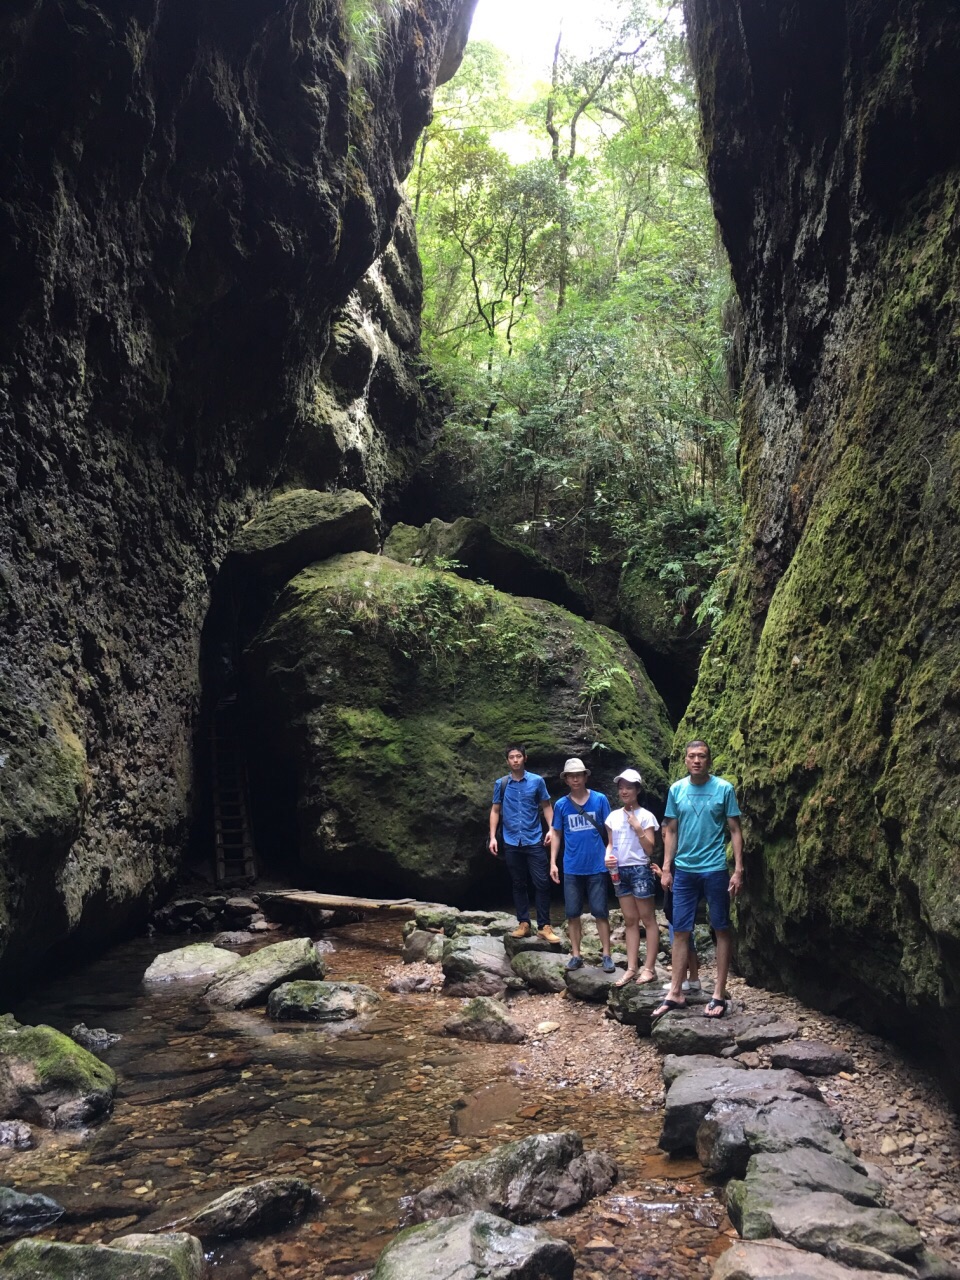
635	882
592	888
688	887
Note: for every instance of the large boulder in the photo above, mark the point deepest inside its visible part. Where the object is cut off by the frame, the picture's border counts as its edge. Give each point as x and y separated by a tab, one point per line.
422	947
776	1260
385	694
252	1210
475	1246
694	1092
541	970
48	1079
21	1214
321	1001
536	1177
475	966
141	1257
251	978
485	1019
185	964
472	549
771	1179
295	528
826	1222
735	1129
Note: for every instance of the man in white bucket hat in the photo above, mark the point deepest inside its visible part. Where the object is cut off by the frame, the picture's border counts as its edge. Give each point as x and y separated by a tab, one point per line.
578	827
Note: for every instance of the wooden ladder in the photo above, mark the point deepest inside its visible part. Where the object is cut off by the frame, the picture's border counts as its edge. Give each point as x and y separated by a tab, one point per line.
233	836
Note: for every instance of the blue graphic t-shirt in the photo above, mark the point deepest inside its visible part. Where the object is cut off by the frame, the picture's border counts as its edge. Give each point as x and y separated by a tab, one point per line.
701	813
520	801
583	846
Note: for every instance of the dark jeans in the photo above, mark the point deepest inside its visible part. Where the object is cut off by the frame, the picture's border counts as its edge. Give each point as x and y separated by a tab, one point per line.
524	859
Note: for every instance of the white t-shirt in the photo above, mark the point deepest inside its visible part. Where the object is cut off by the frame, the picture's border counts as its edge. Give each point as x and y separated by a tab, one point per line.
627	849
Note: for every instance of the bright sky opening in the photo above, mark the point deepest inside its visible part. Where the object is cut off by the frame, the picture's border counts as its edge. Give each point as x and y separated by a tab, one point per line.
526	30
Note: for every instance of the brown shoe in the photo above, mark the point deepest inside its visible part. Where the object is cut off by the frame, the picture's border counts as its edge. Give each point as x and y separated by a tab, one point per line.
547	934
522	930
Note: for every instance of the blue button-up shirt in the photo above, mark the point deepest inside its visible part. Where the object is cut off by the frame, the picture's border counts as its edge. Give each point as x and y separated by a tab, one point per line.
520	807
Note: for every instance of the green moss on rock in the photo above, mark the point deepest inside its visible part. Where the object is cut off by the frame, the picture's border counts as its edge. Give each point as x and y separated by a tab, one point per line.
47	1078
391	692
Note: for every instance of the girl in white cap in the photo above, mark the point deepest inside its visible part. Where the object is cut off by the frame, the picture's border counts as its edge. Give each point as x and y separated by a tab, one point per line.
633	830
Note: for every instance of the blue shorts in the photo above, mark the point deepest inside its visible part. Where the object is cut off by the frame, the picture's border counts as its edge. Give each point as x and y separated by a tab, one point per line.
689	887
635	882
592	888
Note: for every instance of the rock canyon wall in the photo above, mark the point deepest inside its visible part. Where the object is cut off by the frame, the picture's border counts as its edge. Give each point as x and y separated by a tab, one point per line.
193	196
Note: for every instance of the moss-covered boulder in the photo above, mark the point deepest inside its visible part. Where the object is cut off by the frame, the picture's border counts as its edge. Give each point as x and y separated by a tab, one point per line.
666	635
142	1257
48	1079
299	526
472	549
253	977
387	694
320	1001
483	1018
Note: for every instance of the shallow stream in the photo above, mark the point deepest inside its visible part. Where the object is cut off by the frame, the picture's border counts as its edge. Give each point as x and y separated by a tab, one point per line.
208	1100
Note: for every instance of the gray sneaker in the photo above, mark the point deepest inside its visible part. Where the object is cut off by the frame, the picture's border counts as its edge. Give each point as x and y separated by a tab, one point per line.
575	962
607	965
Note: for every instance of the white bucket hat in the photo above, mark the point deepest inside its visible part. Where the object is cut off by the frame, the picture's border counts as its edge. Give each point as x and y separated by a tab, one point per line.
629	775
573	765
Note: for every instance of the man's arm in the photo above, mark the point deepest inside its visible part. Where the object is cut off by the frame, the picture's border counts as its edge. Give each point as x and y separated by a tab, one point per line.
547	809
554	836
494	823
736	844
669	850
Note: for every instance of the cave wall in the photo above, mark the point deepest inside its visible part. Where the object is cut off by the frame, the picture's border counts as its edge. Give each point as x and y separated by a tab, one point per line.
191	191
831	691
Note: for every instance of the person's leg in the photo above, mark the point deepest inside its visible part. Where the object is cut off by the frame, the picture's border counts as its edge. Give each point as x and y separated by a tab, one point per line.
717	890
573	906
686	894
651	933
516	859
631	923
538	866
597	897
693	963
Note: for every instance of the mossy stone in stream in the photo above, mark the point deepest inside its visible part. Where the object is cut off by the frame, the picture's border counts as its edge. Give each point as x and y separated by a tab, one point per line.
321	1001
474	1246
388	692
48	1079
152	1258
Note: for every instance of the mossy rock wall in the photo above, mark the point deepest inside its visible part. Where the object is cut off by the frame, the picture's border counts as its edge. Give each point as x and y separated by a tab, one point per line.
831	691
389	692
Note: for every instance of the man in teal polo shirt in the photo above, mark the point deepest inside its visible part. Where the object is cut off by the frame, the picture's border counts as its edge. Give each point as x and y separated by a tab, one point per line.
701	809
520	797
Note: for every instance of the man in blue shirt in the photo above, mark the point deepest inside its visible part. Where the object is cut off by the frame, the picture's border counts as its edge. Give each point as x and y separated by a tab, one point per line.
579	825
701	808
521	797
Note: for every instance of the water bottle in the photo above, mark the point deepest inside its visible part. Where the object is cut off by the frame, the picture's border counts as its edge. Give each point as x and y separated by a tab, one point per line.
615	873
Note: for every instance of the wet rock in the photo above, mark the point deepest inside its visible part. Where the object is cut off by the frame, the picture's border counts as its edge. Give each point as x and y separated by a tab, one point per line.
435	916
812	1057
824	1222
772	1179
422	946
153	1259
485	1019
320	1001
540	971
251	978
532	942
589	984
675	1065
253	1210
94	1038
686	1033
185	964
494	923
475	967
774	1260
234	938
48	1079
633	1005
407	984
733	1131
16	1135
693	1093
537	1177
474	1246
20	1215
183	1251
299	526
763	1031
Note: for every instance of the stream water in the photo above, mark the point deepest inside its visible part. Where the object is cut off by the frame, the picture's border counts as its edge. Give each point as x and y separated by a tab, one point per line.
365	1112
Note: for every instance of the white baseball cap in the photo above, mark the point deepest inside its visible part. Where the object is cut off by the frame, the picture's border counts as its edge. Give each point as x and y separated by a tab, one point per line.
629	775
573	765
